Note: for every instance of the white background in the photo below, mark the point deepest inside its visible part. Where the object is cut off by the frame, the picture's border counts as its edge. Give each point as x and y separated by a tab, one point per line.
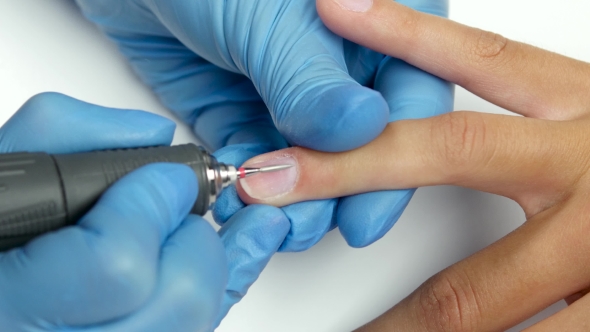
47	46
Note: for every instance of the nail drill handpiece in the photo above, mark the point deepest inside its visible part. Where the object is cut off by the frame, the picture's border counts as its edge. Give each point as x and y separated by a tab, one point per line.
40	193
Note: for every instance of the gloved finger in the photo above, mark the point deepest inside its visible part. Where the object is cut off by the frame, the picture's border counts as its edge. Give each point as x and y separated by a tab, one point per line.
310	221
106	267
56	123
411	94
222	107
506	155
251	237
362	63
239	123
313	100
497	69
365	218
191	281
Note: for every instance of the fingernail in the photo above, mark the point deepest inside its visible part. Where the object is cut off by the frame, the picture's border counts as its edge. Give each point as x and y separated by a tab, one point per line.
265	186
359	6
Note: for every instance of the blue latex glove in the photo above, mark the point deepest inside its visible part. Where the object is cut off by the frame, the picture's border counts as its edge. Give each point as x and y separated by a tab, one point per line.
137	261
258	75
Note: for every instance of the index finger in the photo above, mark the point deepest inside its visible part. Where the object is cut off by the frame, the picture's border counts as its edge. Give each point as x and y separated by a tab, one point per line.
513	75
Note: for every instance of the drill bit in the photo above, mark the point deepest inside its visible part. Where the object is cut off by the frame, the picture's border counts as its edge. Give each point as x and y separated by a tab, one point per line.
246	172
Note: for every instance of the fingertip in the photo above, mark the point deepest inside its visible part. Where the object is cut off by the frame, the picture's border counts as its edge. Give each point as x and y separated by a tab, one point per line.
412	93
251	237
267	225
333	15
156	128
310	222
232	123
346	17
203	230
340	118
227	204
310	175
360	225
384	26
71	125
271	188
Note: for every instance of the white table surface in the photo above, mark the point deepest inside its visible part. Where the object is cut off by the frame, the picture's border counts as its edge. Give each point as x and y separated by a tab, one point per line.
48	46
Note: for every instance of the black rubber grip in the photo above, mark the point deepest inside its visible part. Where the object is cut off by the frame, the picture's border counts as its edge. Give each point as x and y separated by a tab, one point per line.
40	193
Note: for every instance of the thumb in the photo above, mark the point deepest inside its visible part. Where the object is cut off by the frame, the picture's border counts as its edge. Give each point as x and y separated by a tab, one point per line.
505	155
296	64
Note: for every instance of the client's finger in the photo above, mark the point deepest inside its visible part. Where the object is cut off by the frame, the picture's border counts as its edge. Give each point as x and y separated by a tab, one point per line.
573	318
516	76
505	155
505	283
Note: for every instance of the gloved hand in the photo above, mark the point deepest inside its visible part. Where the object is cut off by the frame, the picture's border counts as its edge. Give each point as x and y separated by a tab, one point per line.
223	65
137	261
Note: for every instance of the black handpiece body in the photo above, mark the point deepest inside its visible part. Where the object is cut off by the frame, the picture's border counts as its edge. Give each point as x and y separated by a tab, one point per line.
40	193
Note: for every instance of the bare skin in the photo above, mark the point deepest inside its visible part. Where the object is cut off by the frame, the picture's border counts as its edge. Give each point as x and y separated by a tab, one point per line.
540	160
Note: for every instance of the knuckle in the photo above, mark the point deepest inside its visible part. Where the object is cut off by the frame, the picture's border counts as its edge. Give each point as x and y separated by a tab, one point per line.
449	303
44	106
408	22
458	137
43	102
487	47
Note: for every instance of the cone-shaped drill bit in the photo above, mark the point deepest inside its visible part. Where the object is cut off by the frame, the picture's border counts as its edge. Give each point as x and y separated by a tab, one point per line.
246	172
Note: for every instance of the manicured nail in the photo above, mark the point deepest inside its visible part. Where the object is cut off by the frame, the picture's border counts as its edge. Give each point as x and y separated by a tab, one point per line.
359	6
266	186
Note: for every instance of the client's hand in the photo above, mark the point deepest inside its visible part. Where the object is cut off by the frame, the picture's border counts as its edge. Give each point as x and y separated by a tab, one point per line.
542	161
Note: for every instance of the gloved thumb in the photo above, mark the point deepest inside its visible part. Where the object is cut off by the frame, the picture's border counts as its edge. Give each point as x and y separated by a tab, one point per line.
296	64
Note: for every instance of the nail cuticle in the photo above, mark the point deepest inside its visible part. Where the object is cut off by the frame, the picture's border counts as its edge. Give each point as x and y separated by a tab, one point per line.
357	6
